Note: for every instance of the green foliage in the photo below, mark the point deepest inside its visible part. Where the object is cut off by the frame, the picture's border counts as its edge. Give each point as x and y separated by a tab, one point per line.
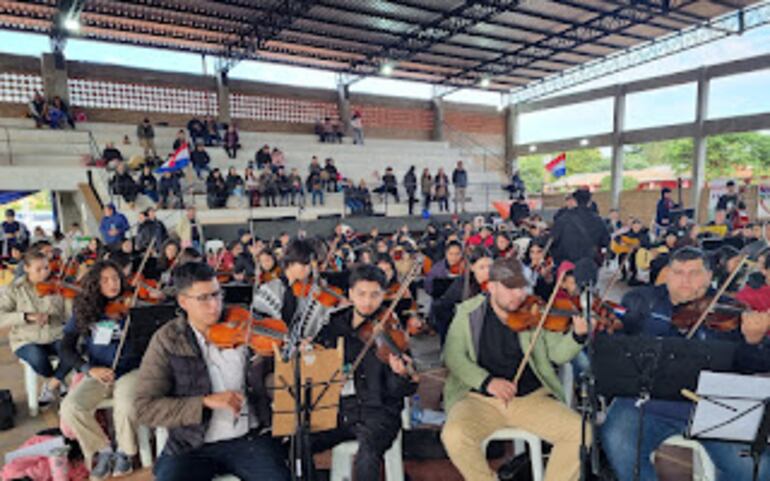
629	183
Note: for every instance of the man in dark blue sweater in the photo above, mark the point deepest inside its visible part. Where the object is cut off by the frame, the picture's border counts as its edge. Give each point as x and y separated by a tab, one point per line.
649	313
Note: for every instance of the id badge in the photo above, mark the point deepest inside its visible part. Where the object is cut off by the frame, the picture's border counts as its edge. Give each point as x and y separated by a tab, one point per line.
103	334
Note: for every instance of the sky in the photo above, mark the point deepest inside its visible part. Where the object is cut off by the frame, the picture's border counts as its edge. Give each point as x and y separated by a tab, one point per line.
737	95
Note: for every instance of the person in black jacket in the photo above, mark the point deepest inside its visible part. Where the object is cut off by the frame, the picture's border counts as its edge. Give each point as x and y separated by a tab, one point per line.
579	233
389	185
151	232
149	184
200	160
472	283
371	402
169	184
216	190
410	186
123	184
111	153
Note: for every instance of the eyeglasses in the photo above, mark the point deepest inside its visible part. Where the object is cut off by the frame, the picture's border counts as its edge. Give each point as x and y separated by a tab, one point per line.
203	298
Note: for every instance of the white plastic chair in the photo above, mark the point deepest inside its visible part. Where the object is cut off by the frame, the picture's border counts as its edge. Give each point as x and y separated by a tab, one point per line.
213	245
519	436
342	461
703	468
30	385
142	437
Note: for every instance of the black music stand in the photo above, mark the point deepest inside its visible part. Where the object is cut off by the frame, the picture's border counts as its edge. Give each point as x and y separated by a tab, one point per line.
242	294
145	321
655	368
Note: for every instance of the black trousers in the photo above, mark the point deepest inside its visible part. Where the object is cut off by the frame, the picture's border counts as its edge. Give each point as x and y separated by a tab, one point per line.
374	429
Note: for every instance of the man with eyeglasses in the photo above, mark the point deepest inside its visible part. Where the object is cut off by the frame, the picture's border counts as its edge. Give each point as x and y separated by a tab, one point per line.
196	390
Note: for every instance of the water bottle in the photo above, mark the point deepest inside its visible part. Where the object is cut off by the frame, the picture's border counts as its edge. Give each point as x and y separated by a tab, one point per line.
416	411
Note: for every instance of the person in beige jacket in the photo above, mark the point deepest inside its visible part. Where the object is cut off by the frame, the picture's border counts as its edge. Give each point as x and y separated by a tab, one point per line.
189	231
36	324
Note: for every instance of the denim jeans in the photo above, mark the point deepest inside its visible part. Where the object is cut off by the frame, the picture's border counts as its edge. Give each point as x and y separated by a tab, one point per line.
201	168
152	194
619	435
38	356
250	458
319	194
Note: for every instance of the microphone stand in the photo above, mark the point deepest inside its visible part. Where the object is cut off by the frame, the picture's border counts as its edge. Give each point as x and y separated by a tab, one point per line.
589	454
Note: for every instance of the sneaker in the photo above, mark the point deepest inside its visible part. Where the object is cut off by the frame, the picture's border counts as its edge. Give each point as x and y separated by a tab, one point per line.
123	466
102	466
47	396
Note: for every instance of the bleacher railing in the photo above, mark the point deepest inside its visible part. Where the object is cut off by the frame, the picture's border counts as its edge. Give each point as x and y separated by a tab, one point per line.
470	147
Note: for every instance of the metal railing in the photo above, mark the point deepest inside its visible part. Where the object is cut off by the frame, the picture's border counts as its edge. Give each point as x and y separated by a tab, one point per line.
471	147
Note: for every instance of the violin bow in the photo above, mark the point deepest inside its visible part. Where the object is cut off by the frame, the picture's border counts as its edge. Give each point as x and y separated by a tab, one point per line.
717	296
539	329
134	297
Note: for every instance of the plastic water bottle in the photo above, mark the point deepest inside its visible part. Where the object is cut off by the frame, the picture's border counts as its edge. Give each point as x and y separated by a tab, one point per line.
416	411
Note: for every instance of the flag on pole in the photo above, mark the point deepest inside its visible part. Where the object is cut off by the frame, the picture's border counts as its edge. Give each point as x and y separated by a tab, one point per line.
557	166
176	161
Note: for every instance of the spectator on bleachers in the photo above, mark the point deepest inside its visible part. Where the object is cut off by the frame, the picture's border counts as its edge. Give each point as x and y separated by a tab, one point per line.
426	187
15	233
318	129
295	187
263	157
251	183
282	182
145	132
410	186
516	189
232	142
211	135
151	232
460	181
235	184
113	226
111	153
349	195
123	184
314	185
315	167
58	113
277	159
38	234
170	185
357	125
189	230
332	175
389	185
149	184
268	188
327	130
364	197
38	109
337	131
216	190
200	160
179	140
197	131
441	182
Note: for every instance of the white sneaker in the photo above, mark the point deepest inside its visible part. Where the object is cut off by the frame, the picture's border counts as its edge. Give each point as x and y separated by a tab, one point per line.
47	396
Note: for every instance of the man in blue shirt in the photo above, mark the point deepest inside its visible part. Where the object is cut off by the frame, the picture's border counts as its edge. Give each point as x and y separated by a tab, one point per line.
15	234
649	313
113	226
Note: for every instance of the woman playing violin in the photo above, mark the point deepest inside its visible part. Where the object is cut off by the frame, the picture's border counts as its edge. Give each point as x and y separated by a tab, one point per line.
541	269
412	322
451	266
36	324
90	344
268	266
463	288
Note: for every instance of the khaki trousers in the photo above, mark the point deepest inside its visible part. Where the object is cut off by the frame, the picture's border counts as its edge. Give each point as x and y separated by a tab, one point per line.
475	417
79	407
459	199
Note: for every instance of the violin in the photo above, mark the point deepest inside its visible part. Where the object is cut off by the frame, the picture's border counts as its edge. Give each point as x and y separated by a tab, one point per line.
118	308
57	288
327	296
457	269
239	327
387	337
149	290
724	316
559	318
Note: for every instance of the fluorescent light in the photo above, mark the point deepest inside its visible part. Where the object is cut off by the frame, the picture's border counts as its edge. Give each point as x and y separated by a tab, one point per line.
533	148
484	82
72	24
584	142
387	69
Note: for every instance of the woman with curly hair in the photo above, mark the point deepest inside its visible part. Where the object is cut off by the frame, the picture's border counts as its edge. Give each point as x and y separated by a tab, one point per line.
90	343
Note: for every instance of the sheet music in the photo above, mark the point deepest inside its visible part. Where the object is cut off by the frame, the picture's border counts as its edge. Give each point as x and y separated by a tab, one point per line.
711	421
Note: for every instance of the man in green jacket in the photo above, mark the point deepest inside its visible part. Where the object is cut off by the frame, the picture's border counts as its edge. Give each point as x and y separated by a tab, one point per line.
483	355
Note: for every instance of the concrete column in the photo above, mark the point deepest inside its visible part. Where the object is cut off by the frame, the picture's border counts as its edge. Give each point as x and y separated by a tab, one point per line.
616	168
699	142
343	105
223	97
511	138
53	70
438	119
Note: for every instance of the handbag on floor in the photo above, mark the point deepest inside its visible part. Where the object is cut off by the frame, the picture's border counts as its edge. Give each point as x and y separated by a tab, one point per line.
7	410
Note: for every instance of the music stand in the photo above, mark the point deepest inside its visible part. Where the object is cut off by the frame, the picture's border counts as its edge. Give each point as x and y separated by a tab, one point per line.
654	368
238	294
441	285
743	416
306	399
145	321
